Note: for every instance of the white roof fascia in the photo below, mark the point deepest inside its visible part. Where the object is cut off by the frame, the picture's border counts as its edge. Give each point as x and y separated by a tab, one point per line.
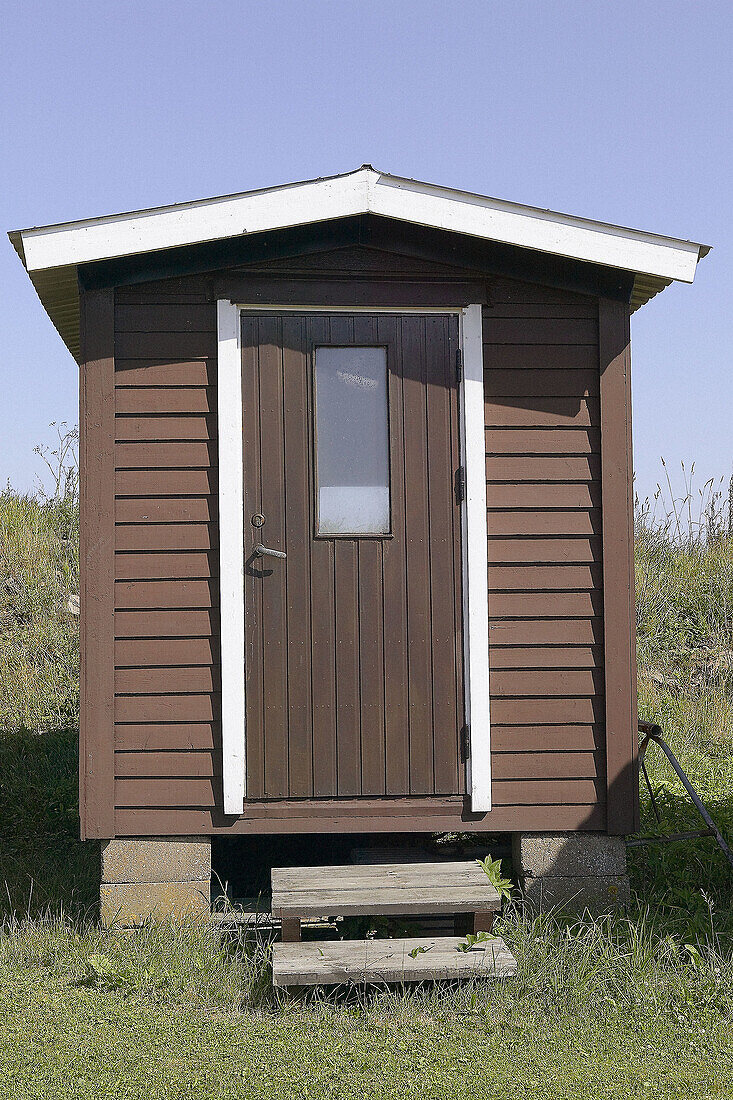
540	230
195	222
361	192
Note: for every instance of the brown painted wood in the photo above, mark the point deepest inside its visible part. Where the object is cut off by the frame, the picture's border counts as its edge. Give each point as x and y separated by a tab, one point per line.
154	400
396	700
539	550
446	615
323	634
297	455
376	612
181	594
163	623
165	372
550	494
150	316
618	568
96	561
540	330
540	412
290	930
157	345
515	468
541	632
538	441
534	657
482	922
166	482
517	358
585	521
348	817
539	681
540	740
160	455
551	605
173	427
149	565
370	599
272	574
537	382
514	310
543	416
181	764
351	291
527	577
166	536
151	652
419	655
371	668
165	510
155	681
548	765
547	710
201	792
254	721
167	708
166	736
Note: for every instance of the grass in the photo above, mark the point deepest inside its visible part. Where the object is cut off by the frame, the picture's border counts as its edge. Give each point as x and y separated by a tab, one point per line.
615	1010
633	1006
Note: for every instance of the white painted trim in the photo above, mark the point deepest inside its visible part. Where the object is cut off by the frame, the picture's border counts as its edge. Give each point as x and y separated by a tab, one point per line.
475	561
361	192
231	558
474	541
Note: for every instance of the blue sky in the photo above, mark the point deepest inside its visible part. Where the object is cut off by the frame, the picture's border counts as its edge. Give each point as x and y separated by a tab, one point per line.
617	111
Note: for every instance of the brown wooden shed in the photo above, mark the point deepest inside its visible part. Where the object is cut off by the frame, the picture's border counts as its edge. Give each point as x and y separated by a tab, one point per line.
401	389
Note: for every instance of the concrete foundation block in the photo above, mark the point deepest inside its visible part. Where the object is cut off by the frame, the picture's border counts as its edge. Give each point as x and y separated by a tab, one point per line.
156	859
569	854
571	872
600	894
132	903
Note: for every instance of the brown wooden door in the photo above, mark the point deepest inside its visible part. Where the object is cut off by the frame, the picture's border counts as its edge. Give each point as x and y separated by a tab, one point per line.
353	641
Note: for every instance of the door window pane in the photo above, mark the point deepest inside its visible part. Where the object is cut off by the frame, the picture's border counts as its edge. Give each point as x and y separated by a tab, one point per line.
352	441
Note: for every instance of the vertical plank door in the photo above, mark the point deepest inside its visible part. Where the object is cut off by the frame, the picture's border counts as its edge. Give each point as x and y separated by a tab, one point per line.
353	641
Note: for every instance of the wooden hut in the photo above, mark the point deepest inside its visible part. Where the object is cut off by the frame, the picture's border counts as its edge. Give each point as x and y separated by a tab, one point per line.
315	419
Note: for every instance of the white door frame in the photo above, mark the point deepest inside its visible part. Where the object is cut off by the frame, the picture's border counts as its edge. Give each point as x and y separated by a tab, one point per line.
474	540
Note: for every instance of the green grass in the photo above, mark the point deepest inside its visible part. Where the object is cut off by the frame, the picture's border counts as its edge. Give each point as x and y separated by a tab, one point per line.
39	638
611	1011
635	1006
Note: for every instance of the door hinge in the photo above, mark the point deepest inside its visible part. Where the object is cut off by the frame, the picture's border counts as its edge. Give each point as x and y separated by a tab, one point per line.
460	484
459	364
465	743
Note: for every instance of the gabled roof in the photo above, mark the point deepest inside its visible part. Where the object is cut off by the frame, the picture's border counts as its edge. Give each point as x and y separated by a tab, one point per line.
52	254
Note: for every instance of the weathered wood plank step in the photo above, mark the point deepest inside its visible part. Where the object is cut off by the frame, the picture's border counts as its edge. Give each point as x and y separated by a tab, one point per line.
389	889
376	961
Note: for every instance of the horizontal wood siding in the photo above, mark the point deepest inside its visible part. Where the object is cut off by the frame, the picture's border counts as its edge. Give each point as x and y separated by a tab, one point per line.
543	472
543	457
167	654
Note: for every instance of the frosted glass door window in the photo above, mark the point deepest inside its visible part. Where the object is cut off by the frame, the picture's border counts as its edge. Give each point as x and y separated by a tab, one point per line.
352	441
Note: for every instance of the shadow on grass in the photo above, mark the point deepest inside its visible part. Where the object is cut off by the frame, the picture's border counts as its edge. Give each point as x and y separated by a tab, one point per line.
44	867
687	883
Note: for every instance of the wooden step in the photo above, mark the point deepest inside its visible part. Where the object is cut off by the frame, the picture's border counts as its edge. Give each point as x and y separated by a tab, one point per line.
377	961
395	889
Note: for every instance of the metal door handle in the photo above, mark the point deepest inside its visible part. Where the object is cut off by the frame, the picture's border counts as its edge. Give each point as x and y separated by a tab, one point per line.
265	552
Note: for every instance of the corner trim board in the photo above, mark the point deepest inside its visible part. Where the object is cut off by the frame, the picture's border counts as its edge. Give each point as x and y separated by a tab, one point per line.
619	615
96	562
231	557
